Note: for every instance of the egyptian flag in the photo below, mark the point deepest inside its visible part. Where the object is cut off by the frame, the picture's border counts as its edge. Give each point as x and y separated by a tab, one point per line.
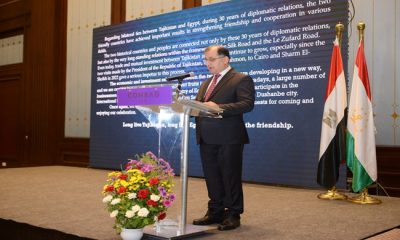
361	153
332	149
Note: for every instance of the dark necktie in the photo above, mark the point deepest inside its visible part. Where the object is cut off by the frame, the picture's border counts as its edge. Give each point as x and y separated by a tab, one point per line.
211	88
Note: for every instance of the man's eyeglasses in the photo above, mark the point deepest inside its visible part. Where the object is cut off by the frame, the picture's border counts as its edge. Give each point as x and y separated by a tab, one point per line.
211	59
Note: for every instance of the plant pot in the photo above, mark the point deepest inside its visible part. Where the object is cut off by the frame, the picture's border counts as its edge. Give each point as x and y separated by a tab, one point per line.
132	234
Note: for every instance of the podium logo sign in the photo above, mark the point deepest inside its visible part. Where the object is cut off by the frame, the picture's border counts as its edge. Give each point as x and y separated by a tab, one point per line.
144	96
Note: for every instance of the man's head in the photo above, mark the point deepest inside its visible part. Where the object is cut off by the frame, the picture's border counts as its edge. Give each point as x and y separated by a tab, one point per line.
216	58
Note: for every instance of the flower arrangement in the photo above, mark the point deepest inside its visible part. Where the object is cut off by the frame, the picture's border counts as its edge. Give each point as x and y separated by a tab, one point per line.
140	194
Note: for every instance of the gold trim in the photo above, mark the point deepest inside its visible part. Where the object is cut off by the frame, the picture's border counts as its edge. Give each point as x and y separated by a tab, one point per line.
339	30
364	198
361	28
332	195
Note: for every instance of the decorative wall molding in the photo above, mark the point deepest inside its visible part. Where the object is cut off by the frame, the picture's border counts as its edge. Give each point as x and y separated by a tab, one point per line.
75	152
14	14
388	159
11	50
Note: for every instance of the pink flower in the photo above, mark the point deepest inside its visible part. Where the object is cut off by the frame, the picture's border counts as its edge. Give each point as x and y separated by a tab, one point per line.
150	154
167	203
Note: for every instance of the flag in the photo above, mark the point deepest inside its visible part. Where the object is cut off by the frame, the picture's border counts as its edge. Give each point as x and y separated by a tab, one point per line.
332	149
361	154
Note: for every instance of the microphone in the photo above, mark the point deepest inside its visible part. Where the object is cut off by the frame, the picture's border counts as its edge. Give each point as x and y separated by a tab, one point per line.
181	76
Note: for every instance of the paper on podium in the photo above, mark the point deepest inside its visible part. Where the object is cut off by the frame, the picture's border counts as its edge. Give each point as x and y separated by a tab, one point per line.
201	109
175	107
151	108
196	108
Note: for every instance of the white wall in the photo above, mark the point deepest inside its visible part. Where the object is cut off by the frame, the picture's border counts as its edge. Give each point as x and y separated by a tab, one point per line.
382	36
83	16
139	9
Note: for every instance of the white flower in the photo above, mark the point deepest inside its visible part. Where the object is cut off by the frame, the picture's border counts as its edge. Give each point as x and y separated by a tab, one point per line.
154	197
115	201
135	208
143	212
107	199
129	214
114	213
132	195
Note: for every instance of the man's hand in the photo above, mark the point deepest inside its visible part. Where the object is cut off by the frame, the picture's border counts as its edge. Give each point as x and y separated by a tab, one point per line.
211	104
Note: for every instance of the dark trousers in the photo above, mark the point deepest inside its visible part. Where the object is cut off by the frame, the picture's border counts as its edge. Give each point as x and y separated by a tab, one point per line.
222	167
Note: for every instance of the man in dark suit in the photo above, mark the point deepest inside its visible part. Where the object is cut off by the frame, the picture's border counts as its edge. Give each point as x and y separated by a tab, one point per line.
222	138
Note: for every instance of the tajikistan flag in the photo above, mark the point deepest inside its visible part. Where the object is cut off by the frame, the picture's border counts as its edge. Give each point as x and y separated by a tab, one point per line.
361	155
332	149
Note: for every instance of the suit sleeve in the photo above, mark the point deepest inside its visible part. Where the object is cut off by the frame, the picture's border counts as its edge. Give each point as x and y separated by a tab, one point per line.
245	97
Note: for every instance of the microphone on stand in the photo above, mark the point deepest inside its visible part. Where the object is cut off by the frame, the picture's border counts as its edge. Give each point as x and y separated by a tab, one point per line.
180	77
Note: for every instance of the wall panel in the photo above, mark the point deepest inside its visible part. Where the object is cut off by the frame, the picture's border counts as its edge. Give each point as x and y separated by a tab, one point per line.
11	128
136	9
83	16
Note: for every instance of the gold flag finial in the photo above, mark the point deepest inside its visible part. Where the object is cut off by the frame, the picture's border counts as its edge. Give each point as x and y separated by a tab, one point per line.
361	27
339	29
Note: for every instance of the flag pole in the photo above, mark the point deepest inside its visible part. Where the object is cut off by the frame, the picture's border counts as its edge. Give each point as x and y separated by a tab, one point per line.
363	197
332	193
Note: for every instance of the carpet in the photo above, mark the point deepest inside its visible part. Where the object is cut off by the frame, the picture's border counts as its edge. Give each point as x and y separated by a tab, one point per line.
69	200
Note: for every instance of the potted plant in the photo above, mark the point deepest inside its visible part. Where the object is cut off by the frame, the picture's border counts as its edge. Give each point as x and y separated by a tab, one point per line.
140	194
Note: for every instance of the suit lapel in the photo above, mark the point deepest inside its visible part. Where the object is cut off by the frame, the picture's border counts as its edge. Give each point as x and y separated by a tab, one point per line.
223	81
203	90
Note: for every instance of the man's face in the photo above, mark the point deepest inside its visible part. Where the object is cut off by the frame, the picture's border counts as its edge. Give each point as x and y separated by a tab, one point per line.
215	63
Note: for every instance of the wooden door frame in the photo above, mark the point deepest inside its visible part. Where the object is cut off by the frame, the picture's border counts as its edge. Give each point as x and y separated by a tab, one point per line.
14	72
